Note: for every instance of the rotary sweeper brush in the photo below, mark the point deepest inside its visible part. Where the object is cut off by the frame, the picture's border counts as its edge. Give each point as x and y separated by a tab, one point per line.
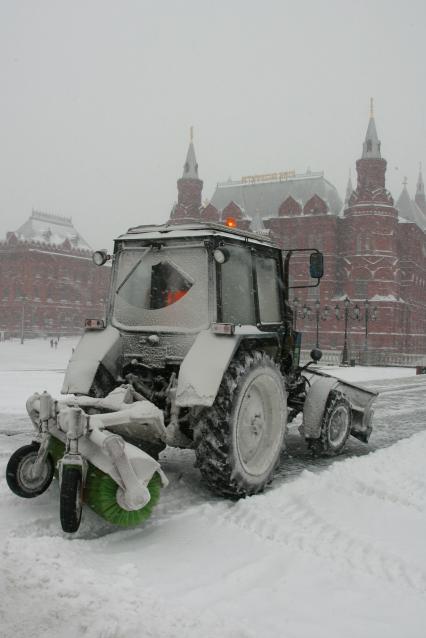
198	351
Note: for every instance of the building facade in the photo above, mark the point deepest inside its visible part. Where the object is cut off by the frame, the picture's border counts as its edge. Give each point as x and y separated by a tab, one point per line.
374	249
48	282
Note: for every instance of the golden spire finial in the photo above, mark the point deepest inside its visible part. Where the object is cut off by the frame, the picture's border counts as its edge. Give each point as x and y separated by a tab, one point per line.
371	107
191	134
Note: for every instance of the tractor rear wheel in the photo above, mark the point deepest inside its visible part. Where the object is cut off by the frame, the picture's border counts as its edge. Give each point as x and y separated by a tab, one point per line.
19	474
335	426
239	440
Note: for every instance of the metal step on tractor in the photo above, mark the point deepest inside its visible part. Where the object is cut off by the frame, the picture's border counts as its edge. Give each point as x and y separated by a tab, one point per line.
197	351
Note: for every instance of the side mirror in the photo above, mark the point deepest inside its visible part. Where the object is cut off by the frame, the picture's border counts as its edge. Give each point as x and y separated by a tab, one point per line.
316	265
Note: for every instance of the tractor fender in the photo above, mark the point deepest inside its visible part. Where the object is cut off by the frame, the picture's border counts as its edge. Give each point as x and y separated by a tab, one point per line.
314	407
202	369
93	349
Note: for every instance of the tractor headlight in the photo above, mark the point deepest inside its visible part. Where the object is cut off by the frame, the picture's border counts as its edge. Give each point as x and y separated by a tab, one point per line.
100	257
221	255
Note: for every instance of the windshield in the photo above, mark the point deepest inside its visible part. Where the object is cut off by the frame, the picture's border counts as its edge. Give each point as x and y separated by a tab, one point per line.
166	288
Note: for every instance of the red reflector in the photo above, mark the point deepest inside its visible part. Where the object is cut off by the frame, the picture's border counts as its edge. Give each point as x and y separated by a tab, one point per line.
94	324
223	328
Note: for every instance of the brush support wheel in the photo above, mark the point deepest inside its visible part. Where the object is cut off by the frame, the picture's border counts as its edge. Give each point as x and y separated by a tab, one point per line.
71	498
19	472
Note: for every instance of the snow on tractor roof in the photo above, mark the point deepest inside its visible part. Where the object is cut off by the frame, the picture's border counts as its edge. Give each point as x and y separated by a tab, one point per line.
193	229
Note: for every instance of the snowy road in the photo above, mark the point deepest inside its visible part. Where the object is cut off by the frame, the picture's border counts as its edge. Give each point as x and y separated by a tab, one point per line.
330	550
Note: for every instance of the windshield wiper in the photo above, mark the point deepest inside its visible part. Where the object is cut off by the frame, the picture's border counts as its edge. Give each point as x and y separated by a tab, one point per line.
130	273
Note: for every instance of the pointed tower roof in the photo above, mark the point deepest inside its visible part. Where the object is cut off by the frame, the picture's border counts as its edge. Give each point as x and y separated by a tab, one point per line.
349	188
420	185
371	146
190	168
408	210
420	197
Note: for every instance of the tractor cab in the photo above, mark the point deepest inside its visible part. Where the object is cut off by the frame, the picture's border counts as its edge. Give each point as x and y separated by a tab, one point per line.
187	277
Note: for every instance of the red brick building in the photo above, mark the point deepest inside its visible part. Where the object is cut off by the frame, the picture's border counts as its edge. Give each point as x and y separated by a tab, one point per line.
48	283
374	250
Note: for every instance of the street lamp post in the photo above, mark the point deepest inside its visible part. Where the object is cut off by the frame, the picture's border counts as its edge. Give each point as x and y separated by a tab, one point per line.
304	312
23	321
355	314
320	315
370	314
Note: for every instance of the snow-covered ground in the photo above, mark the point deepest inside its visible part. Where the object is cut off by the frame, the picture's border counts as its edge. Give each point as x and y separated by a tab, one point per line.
331	549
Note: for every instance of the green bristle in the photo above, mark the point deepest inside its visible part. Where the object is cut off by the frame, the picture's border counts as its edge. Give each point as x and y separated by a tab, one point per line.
100	493
57	451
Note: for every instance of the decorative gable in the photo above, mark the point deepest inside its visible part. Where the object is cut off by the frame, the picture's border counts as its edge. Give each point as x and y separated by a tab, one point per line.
315	206
210	214
11	238
232	210
290	208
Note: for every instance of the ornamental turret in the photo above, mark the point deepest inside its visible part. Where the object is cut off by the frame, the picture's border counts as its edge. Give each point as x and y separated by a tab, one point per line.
189	188
371	169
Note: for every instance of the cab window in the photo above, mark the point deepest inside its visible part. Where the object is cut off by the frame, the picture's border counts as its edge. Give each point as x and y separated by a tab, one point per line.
237	287
267	289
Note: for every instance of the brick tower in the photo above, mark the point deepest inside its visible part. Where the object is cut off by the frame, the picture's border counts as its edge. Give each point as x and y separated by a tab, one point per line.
189	189
368	240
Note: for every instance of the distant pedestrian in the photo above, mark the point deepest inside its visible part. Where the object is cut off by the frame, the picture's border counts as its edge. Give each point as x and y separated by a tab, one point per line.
51	343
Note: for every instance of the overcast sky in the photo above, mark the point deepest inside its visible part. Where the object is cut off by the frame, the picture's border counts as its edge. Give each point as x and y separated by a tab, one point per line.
97	98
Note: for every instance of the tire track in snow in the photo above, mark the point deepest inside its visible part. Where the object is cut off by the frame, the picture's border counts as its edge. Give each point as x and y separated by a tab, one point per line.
301	527
304	514
408	493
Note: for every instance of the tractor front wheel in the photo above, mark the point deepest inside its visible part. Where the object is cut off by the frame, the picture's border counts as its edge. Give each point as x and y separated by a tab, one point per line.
19	472
71	498
335	426
238	441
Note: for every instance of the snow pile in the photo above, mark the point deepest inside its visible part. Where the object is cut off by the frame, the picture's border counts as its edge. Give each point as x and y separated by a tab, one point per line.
361	374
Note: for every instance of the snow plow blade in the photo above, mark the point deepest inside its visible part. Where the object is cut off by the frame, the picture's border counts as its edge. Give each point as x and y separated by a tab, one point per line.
360	399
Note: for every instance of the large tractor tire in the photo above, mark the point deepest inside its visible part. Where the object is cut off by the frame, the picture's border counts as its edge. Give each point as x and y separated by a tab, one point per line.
335	426
238	441
19	472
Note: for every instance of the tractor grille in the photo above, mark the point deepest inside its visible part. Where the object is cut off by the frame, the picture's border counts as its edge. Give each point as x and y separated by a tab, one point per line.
171	348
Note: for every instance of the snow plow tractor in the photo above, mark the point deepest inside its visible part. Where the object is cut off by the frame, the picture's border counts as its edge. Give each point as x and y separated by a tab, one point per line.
197	351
